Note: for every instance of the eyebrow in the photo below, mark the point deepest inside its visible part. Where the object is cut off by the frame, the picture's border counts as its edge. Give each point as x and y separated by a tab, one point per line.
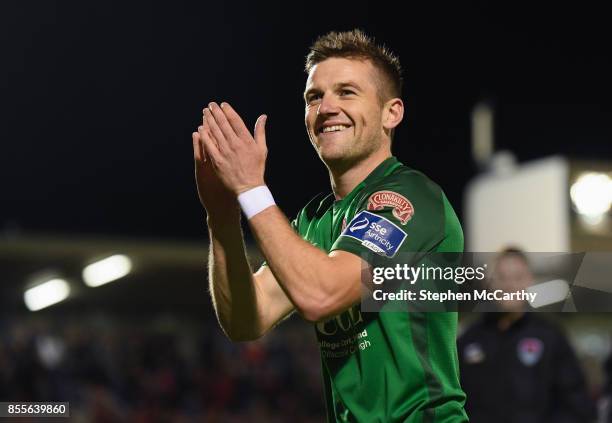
336	86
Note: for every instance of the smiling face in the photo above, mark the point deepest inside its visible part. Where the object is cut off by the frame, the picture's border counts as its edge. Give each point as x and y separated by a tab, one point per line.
344	111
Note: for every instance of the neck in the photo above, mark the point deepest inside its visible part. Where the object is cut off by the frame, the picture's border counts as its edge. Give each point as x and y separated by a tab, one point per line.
344	178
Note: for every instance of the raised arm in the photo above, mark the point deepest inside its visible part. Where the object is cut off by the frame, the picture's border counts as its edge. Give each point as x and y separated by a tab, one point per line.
317	284
247	305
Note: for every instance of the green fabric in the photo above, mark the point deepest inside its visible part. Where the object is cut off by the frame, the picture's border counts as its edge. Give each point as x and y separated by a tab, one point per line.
389	366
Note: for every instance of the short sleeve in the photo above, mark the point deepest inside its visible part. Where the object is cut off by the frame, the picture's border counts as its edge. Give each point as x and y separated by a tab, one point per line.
404	214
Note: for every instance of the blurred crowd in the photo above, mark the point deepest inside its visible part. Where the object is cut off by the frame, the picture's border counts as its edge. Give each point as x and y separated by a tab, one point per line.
161	369
181	368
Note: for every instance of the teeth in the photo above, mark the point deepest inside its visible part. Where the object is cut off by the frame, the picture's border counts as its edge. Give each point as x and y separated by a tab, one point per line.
334	128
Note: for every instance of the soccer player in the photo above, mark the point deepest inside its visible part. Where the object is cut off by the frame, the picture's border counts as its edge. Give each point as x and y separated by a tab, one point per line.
377	367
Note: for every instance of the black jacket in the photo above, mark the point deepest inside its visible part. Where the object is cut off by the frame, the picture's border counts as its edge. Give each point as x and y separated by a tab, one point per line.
526	374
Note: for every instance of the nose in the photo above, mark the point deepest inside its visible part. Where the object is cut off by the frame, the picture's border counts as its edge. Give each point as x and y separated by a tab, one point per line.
328	105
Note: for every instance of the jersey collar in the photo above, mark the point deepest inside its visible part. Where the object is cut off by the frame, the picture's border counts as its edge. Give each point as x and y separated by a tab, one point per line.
386	167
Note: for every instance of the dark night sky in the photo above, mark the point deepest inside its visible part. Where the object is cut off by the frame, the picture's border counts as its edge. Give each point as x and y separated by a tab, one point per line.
98	99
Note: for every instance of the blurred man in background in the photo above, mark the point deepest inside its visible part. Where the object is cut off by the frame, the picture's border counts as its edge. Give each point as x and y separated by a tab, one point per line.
516	366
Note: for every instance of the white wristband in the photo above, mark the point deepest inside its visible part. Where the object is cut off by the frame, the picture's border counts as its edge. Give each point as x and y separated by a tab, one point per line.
255	200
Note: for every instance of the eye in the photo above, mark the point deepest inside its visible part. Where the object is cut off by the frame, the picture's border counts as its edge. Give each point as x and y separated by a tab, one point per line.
345	92
312	97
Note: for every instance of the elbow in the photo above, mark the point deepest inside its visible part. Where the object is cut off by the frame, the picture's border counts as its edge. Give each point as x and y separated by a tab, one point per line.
311	316
326	299
326	303
320	310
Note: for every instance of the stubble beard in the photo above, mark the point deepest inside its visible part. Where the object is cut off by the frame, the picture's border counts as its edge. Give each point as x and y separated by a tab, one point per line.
348	155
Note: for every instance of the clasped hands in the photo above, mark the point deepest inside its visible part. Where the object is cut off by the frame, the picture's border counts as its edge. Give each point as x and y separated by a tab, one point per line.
224	145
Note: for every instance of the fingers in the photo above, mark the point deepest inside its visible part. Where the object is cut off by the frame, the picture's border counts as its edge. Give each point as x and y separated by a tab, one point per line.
197	148
221	122
208	144
224	128
235	120
260	131
213	129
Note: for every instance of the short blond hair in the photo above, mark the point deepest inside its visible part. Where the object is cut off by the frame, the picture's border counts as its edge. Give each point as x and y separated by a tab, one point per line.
356	44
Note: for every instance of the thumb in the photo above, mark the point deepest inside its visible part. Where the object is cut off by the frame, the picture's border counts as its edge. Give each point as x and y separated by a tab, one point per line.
260	131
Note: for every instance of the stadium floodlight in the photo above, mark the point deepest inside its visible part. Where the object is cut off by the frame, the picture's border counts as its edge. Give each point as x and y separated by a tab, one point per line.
45	294
107	270
549	292
592	195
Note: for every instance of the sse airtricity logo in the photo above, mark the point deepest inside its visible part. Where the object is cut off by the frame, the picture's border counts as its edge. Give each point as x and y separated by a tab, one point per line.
360	224
376	232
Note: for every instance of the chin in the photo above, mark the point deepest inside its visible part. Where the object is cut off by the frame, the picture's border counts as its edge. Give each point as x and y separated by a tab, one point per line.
330	153
336	159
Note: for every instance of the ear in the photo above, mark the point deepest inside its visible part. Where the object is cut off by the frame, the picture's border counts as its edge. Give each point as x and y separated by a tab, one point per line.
393	113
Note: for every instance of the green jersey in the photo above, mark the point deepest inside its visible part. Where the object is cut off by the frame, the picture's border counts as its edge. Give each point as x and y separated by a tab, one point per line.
388	366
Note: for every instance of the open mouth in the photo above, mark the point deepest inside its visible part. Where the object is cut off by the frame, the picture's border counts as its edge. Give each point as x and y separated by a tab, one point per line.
332	129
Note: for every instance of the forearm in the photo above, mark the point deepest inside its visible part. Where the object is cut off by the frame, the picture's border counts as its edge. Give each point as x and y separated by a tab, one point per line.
307	274
232	286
